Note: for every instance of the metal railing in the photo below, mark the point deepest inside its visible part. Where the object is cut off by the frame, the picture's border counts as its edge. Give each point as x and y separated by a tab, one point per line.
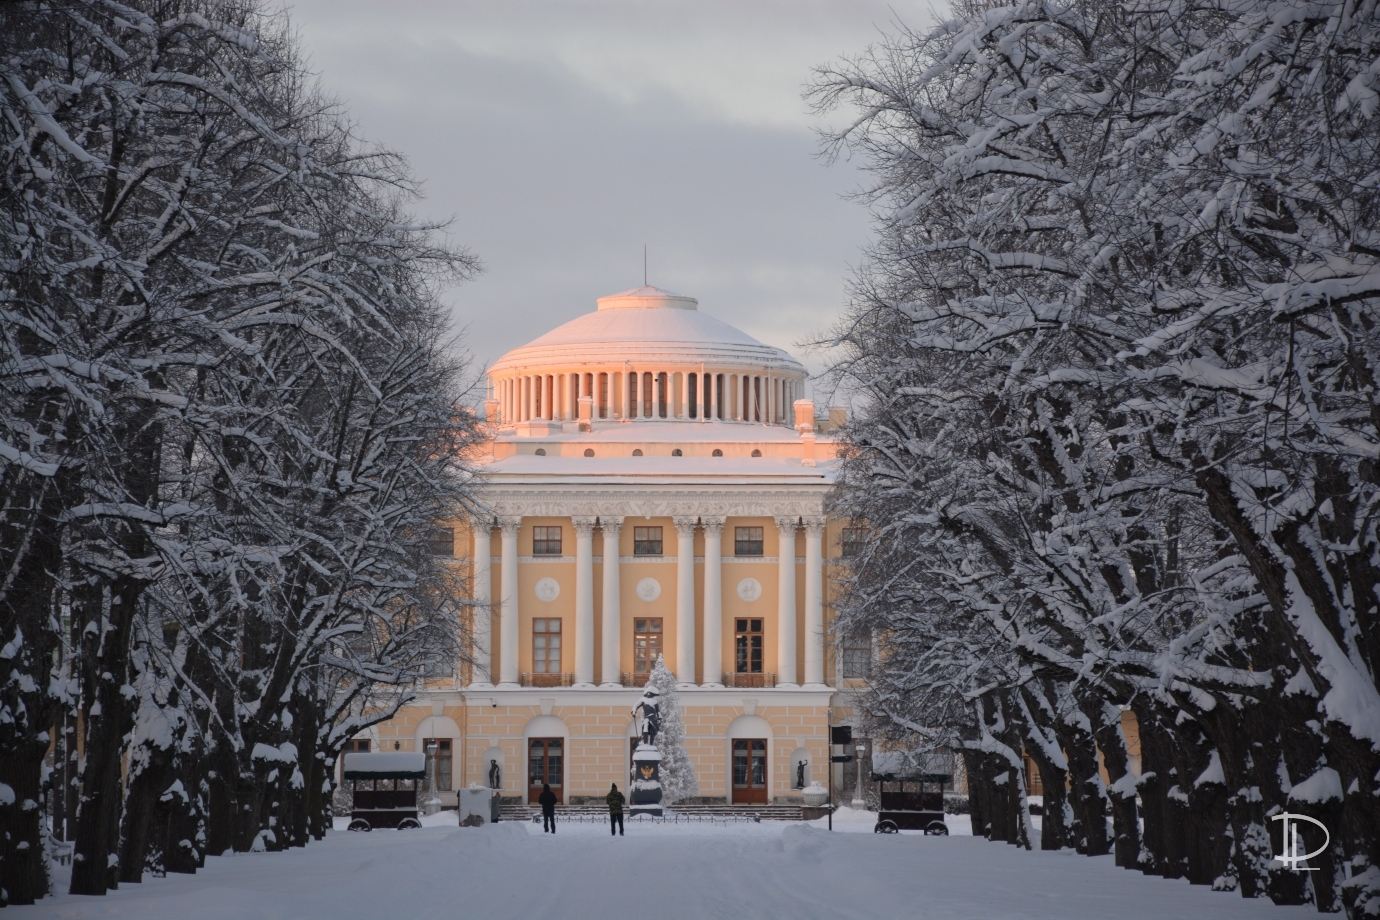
528	679
750	681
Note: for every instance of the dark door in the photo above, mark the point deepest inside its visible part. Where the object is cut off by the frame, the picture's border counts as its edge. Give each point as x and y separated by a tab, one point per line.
749	771
545	764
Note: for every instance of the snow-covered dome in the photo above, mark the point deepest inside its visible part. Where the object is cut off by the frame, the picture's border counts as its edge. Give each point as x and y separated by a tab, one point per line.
647	326
644	355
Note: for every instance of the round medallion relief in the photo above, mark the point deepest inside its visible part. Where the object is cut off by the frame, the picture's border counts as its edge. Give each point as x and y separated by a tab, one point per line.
749	589
548	590
649	589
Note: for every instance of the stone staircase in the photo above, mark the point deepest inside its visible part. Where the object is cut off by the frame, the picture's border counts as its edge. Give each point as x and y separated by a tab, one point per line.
515	812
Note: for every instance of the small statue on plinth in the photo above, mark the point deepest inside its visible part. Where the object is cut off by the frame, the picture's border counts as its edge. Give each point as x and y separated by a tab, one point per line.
645	794
800	774
495	775
648	713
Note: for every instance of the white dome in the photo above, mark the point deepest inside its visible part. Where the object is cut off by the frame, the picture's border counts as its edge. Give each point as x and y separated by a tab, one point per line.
646	326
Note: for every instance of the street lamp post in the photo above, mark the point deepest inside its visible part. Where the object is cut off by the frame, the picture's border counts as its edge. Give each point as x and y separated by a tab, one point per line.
858	802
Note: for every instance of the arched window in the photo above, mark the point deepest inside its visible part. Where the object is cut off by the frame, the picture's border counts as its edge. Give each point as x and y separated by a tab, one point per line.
541	451
676	452
637	453
718	453
589	452
755	453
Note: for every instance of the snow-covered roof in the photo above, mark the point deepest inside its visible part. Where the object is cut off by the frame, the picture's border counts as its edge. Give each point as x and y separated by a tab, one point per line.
389	765
929	766
647	325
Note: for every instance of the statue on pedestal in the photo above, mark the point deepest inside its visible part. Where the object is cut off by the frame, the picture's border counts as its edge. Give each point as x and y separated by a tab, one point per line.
495	775
645	795
648	713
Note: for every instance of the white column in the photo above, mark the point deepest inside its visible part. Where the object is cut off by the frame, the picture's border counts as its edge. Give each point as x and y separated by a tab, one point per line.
713	602
613	620
785	603
685	394
685	602
713	395
508	604
481	593
584	601
814	603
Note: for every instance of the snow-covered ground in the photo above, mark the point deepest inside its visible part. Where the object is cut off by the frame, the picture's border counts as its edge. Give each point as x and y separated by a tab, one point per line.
666	872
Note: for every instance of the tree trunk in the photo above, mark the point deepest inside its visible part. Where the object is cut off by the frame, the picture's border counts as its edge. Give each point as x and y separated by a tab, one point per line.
1086	792
109	716
31	554
1111	741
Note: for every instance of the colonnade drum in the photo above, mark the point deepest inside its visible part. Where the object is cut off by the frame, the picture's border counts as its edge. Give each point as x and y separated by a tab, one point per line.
631	394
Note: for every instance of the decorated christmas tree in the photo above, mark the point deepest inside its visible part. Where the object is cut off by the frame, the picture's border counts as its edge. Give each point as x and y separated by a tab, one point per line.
678	781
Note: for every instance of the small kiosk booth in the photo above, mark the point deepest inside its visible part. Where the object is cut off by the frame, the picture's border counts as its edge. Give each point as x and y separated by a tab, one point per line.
918	808
385	789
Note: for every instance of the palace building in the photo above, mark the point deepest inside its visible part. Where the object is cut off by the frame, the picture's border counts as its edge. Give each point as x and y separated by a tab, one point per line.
654	484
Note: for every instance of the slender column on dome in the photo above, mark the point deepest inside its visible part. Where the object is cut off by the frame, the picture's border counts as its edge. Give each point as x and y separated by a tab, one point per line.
548	386
527	397
814	603
613	621
713	602
508	604
685	394
481	592
584	601
685	602
632	385
785	611
658	394
712	400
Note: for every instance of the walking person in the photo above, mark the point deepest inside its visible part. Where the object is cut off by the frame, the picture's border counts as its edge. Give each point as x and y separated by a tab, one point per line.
615	800
547	801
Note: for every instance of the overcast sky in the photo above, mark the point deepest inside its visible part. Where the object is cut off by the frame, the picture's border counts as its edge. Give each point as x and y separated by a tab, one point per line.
560	137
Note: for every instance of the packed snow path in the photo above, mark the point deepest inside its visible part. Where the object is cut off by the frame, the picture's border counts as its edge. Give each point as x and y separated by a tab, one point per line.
696	872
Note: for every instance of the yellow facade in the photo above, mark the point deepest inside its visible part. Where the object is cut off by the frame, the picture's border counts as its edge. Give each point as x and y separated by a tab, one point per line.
644	414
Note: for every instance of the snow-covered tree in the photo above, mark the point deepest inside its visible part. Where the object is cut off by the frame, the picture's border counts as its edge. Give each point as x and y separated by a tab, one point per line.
678	781
228	421
1117	347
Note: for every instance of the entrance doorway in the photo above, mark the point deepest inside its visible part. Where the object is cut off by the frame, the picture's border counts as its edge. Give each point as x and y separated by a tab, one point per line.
749	771
545	764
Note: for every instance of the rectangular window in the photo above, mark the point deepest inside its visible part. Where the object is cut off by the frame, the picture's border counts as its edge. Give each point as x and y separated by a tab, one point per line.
443	762
857	659
646	541
356	746
854	542
747	645
646	646
747	541
546	541
443	541
546	646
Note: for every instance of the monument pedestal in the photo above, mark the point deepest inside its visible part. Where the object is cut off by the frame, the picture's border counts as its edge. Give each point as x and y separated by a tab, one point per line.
645	798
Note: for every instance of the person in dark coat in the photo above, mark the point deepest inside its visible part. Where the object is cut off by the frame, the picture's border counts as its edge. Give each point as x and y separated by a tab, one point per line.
615	800
547	801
